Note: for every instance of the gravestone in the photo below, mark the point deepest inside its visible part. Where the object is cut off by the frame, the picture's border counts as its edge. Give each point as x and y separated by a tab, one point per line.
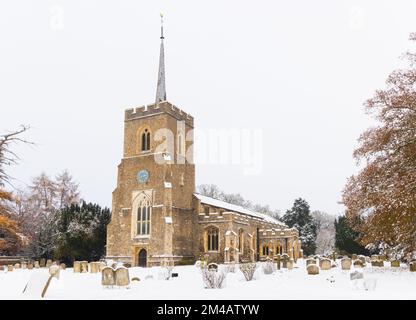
48	263
30	265
325	264
84	266
374	257
412	266
122	276
377	263
358	264
42	263
312	269
354	257
213	267
54	271
17	266
345	263
94	267
285	258
62	266
310	261
362	258
135	279
290	264
278	258
24	265
37	265
37	285
395	264
108	277
9	268
77	266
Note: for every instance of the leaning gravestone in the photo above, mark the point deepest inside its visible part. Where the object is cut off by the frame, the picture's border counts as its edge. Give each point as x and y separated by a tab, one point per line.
325	264
122	277
345	263
37	285
312	269
395	264
94	267
77	266
54	271
108	277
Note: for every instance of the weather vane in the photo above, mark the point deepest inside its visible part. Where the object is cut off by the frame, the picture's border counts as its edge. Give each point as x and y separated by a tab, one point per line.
161	26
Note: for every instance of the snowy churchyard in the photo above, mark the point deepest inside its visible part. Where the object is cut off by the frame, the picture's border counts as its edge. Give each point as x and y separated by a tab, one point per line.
344	280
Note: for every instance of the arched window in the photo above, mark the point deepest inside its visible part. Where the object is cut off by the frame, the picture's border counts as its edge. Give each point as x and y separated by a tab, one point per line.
145	140
144	212
212	239
241	240
265	250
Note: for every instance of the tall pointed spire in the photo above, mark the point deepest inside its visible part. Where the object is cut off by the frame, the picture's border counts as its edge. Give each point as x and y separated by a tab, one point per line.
161	87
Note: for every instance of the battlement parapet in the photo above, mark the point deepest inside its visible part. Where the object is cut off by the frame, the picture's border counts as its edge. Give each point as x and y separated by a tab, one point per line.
154	109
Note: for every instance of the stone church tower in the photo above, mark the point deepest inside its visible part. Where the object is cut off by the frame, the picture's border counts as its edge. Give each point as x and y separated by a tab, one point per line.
152	207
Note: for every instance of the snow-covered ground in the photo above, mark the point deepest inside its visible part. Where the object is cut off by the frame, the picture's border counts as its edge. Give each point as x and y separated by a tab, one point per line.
392	283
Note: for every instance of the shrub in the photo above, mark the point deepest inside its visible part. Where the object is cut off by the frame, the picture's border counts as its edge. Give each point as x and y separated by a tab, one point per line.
214	279
268	267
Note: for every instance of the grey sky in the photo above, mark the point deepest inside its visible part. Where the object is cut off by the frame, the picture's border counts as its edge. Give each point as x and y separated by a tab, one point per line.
300	70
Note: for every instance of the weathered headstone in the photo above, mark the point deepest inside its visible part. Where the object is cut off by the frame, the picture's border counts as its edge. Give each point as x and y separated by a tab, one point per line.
374	257
48	263
377	263
24	265
30	265
95	267
354	257
213	267
122	276
84	266
395	263
358	264
9	268
17	266
62	266
37	265
77	266
362	258
54	271
345	263
108	277
312	269
285	258
42	263
412	266
289	264
325	264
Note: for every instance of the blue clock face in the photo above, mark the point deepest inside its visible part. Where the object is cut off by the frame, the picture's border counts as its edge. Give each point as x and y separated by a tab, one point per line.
143	176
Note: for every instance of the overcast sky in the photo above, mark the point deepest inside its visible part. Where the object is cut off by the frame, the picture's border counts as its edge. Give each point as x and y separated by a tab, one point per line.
298	70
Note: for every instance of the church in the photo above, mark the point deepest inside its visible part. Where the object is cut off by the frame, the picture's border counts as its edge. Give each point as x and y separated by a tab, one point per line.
157	216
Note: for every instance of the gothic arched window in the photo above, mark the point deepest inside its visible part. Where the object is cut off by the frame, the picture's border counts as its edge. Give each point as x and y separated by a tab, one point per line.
212	239
144	212
265	250
145	140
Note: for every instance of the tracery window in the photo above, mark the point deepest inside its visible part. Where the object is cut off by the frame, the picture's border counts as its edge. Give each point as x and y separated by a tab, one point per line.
144	212
212	239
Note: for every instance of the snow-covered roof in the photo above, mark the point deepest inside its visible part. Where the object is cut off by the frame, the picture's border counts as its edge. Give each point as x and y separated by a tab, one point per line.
235	208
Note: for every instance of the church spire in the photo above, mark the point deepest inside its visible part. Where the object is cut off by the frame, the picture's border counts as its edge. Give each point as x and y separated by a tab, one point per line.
161	87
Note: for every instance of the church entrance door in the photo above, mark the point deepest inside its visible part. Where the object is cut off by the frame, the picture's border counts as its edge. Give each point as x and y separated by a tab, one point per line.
142	258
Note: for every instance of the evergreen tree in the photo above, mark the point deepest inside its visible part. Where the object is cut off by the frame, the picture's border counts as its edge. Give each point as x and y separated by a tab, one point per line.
346	238
82	232
300	217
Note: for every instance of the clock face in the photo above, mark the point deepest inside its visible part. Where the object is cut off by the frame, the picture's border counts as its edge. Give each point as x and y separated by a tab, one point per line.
143	176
